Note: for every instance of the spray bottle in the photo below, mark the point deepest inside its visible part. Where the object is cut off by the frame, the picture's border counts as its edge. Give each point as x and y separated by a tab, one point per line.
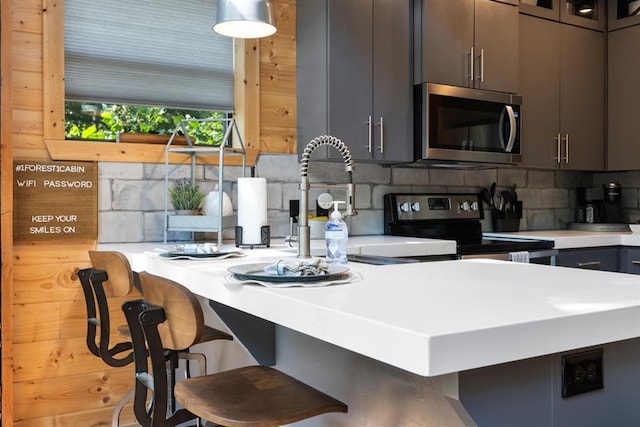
336	234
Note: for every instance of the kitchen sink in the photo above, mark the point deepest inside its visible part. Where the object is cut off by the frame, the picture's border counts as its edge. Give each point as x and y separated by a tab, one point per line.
383	260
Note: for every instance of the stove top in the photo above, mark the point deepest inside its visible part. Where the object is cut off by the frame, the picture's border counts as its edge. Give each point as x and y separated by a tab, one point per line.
452	216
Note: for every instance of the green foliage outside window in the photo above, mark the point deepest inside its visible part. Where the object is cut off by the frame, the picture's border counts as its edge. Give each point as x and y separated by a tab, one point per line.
103	122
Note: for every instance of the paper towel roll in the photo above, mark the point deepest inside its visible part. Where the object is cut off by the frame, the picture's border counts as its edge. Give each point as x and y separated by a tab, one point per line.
252	208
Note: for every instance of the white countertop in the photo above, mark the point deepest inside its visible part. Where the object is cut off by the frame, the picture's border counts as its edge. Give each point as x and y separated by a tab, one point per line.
568	239
431	318
390	246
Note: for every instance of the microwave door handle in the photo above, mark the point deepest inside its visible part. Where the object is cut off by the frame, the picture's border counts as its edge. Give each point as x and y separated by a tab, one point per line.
512	128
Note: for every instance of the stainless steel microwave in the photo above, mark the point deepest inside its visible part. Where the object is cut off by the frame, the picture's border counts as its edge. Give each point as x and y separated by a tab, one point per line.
457	124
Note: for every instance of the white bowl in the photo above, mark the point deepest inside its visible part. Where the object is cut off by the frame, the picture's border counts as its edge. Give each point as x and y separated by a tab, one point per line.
635	228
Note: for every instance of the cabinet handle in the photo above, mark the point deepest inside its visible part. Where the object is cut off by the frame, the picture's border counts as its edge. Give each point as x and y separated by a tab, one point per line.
471	58
381	124
369	126
635	262
481	77
589	264
558	149
566	148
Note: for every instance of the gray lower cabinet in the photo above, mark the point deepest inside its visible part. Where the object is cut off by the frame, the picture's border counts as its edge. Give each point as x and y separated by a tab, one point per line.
603	258
623	104
562	81
354	77
468	43
630	260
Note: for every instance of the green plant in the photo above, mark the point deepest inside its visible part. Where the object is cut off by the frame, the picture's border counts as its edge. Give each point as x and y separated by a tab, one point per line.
186	195
94	121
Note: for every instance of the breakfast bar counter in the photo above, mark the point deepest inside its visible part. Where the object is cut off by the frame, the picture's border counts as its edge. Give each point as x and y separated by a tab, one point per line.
429	319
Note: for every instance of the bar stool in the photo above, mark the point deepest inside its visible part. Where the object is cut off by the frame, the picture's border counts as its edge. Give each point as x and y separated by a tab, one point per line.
98	287
110	277
171	317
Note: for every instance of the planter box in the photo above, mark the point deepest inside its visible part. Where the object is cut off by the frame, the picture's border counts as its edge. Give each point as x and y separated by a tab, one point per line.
151	138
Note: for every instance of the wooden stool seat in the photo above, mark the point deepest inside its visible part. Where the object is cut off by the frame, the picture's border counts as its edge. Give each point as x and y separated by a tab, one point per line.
170	317
253	396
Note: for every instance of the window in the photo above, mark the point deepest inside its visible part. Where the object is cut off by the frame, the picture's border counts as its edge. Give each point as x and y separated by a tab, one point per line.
155	61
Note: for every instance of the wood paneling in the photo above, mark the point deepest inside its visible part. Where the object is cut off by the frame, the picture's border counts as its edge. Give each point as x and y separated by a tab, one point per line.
28	121
35	324
27	16
6	204
64	395
27	51
147	153
58	358
49	377
53	68
278	102
47	282
93	418
27	90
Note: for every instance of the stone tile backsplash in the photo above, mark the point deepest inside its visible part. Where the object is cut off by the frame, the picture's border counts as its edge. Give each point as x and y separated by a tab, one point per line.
132	196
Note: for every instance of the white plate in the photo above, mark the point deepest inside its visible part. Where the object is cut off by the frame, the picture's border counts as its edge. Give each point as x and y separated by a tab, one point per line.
256	272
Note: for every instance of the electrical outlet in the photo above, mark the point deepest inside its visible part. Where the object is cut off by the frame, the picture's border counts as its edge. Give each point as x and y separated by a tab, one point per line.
582	372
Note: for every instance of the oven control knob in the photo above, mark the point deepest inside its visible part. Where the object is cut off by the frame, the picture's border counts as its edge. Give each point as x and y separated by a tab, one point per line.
474	206
404	207
464	206
415	206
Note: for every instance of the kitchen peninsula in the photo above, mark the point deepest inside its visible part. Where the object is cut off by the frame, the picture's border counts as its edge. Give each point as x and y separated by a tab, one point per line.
402	345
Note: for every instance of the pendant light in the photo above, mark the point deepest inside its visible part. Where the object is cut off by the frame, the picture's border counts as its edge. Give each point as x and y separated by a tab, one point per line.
245	19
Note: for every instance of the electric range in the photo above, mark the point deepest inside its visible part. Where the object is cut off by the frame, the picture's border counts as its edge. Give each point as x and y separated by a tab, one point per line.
454	216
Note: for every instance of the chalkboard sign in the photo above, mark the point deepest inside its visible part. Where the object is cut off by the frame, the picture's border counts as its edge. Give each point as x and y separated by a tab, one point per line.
55	201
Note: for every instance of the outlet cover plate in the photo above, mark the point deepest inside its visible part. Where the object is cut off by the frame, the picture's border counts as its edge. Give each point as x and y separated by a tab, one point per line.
582	372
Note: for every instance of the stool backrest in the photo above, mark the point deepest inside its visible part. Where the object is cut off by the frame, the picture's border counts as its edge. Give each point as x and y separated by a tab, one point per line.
119	281
184	322
110	276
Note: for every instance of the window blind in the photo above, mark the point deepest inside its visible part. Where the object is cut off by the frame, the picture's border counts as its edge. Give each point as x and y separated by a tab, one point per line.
147	52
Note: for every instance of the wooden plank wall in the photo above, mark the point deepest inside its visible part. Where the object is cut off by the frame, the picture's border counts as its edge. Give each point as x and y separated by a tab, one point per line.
52	379
6	197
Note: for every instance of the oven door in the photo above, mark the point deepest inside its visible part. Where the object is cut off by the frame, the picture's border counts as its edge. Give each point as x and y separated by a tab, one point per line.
464	124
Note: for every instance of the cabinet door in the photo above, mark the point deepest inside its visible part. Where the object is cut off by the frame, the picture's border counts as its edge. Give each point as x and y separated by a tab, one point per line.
630	260
623	105
496	46
549	9
605	259
392	81
311	72
623	13
350	62
540	89
586	14
447	41
582	97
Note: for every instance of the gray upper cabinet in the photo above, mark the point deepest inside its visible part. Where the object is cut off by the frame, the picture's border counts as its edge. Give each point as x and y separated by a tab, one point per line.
562	83
355	77
583	13
624	104
623	13
468	43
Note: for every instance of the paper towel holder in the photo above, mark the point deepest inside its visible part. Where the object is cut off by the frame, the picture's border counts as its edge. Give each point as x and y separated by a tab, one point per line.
265	238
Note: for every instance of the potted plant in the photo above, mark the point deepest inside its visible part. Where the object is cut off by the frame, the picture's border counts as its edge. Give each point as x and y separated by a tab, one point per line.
186	197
